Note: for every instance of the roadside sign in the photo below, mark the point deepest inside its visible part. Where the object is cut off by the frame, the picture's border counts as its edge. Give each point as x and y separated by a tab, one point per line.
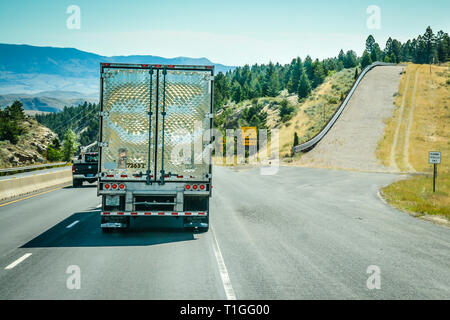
434	157
250	136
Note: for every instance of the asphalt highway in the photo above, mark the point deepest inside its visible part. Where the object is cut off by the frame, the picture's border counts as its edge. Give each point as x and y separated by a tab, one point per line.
300	234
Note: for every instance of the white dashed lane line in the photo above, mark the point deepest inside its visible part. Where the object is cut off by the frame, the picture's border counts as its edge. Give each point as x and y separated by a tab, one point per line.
15	263
72	224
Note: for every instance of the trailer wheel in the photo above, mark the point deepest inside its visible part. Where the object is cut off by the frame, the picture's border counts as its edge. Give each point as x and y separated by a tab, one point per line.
77	183
204	229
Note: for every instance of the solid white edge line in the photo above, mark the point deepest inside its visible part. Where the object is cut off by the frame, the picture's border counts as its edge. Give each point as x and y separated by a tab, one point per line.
72	224
15	263
229	292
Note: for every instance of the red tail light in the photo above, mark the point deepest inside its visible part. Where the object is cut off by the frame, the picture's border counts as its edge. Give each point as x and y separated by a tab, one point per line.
107	186
73	168
114	186
202	187
188	187
121	186
195	187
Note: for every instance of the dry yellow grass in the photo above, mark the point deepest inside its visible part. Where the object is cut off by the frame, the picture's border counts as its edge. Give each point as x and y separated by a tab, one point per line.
427	115
420	123
306	125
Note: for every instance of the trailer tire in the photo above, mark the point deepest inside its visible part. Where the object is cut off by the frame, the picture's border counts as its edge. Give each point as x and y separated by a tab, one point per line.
204	229
77	183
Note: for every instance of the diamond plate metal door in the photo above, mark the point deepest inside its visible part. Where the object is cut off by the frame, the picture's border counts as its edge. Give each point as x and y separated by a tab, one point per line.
127	125
184	100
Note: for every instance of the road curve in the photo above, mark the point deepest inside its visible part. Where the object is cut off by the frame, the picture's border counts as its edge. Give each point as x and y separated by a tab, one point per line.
301	234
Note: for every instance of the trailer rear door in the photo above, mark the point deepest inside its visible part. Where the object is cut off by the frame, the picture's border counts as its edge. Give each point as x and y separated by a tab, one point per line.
148	111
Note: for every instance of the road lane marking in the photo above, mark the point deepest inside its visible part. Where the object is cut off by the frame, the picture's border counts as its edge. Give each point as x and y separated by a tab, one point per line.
223	269
15	263
72	224
33	195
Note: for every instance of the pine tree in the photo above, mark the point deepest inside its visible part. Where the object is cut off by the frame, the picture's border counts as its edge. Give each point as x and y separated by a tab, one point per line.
376	53
350	60
370	43
318	74
297	71
430	45
304	87
366	60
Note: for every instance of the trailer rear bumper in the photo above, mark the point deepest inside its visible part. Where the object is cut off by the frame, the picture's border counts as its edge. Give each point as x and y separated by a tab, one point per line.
155	213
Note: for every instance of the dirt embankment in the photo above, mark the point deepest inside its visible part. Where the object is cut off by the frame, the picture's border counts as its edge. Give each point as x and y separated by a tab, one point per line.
352	141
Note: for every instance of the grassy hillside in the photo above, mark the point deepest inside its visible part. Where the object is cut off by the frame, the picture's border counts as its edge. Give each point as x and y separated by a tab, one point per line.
305	117
314	112
421	120
419	124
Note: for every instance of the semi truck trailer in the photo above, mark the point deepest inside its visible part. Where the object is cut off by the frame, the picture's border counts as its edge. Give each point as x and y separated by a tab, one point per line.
147	111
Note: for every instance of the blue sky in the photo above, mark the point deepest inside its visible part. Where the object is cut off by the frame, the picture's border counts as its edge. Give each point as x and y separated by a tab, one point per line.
228	31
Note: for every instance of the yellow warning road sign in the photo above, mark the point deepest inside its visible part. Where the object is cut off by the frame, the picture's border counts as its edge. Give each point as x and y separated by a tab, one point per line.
249	136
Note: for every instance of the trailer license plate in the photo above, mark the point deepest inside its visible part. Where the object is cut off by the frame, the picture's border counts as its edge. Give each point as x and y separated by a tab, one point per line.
112	201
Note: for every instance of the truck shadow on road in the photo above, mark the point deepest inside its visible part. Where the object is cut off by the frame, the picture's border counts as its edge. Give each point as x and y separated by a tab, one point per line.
84	186
87	233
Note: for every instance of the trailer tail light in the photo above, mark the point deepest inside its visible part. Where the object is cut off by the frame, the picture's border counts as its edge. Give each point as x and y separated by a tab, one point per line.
188	187
114	186
202	187
158	66
107	186
144	65
194	187
171	66
121	186
73	169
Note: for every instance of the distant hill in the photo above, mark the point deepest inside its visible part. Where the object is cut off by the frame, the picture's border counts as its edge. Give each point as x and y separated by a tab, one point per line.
48	101
30	69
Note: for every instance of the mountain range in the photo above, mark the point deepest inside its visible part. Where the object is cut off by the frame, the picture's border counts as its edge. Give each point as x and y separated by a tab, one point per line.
47	78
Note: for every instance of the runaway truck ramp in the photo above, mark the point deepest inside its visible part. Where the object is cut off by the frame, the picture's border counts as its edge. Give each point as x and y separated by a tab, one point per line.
351	142
308	145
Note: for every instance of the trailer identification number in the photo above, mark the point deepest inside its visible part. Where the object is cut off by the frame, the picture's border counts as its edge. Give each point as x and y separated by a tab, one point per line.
136	165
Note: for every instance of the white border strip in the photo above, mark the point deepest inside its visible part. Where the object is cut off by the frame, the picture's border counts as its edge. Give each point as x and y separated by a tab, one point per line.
223	269
15	263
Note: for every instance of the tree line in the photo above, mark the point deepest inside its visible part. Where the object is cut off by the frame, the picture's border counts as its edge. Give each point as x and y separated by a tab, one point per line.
427	48
82	119
302	76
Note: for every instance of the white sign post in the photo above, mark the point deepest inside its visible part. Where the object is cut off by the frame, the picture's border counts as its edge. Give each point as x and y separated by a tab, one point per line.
434	158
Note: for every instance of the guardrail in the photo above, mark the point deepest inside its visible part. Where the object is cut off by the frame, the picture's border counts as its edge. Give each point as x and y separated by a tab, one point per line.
28	168
314	140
